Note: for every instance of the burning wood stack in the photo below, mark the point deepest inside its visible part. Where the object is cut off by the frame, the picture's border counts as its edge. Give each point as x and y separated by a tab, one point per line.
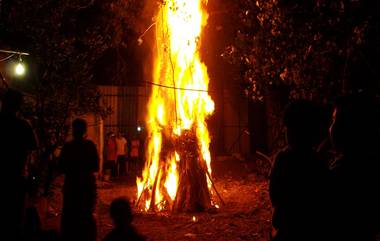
193	193
177	173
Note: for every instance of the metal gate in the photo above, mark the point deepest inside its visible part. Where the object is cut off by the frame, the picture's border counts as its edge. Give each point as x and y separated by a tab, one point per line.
128	104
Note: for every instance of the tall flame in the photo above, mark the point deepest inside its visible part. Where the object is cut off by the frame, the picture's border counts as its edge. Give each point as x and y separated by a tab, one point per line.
179	99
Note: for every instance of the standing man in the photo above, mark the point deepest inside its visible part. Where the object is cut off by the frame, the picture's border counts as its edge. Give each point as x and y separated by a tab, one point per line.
17	140
79	162
121	153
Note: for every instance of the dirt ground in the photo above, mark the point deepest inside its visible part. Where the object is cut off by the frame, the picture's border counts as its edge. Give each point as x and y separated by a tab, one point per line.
245	215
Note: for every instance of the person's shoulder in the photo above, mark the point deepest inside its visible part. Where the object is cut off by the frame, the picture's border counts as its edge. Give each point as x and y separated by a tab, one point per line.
283	159
88	142
27	132
110	236
142	238
138	237
283	154
68	144
135	235
23	123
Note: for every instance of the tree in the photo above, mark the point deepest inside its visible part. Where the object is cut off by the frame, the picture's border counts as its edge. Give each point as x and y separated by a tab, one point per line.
317	49
65	40
304	49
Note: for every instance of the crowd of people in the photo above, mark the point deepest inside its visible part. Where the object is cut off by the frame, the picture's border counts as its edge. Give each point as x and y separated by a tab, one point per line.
121	157
318	191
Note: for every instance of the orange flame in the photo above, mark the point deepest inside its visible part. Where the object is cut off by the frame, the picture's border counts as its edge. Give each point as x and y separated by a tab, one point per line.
179	101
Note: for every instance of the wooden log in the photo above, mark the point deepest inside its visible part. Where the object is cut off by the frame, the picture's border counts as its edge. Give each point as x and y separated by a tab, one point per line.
152	206
214	187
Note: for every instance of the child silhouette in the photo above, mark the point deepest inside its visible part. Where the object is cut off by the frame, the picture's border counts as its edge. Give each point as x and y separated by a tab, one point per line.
121	214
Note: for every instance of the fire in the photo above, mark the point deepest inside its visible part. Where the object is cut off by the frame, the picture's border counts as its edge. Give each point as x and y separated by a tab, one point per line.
179	100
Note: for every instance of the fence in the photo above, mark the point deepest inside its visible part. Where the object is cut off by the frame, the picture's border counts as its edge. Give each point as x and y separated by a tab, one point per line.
229	128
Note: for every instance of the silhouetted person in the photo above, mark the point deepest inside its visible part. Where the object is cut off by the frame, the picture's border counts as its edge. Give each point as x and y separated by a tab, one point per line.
121	155
17	140
298	178
325	149
79	162
121	214
111	154
33	228
355	173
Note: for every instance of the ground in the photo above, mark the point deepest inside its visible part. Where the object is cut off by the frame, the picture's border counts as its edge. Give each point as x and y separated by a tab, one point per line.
245	215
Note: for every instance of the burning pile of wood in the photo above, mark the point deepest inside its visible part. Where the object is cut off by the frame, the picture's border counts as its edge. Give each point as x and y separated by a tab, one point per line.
193	193
177	172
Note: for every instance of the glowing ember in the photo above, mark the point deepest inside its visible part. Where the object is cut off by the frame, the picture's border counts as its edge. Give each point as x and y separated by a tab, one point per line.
176	110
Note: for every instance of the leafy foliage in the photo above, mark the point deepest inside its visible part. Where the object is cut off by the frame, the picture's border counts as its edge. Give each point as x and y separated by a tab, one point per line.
317	49
313	48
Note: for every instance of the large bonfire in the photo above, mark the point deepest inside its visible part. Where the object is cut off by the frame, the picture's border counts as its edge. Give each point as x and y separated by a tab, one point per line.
177	172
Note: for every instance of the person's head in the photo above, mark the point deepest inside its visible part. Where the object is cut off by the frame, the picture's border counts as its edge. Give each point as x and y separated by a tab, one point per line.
121	212
301	119
11	101
79	128
354	125
110	134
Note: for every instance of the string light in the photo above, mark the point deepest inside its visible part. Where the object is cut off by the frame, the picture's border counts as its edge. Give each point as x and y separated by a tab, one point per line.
20	68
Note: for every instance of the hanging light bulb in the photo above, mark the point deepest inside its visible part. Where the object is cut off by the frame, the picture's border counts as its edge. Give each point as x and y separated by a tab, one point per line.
20	68
16	68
